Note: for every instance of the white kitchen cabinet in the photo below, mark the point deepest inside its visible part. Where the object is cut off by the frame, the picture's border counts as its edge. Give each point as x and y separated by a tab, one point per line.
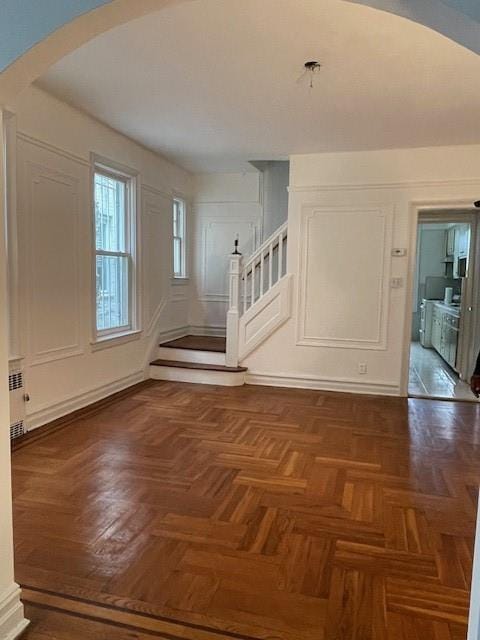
450	241
437	328
462	240
445	333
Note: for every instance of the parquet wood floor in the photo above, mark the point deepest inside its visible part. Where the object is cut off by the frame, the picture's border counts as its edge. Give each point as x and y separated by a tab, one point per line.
198	512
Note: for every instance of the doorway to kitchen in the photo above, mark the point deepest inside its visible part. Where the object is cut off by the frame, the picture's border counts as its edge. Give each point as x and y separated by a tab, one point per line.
441	350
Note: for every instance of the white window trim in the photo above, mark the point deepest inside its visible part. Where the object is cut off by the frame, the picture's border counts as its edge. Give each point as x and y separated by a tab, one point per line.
183	278
111	337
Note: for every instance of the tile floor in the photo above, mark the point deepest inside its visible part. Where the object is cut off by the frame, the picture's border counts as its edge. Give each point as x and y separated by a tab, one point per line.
431	377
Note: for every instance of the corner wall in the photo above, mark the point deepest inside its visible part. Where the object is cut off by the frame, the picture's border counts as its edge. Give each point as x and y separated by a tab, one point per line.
64	369
346	213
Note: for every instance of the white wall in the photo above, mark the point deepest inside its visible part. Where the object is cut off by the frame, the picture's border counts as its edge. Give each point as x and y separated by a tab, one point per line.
54	214
346	213
11	610
275	176
225	204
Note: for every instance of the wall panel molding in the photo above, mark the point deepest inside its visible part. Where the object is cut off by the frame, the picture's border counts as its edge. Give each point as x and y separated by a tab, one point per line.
64	337
325	285
374	186
163	193
214	291
269	313
47	146
62	151
156	278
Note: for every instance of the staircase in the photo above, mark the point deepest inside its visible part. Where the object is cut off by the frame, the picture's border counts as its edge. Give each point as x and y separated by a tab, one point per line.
260	296
259	303
198	359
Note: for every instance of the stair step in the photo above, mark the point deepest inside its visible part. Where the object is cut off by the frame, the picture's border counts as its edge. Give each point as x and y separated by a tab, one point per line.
197	343
197	365
197	372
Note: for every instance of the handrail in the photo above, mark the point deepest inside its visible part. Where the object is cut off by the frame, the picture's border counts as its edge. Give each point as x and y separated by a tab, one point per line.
254	268
281	231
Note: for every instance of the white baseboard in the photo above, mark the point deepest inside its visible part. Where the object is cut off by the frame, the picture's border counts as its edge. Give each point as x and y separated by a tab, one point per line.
322	384
193	330
213	331
52	412
172	334
12	619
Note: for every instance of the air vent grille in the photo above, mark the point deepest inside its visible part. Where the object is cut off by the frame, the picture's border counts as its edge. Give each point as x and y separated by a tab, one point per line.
17	429
15	380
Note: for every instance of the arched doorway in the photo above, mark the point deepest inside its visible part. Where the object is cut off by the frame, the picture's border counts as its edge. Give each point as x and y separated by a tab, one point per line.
101	15
18	76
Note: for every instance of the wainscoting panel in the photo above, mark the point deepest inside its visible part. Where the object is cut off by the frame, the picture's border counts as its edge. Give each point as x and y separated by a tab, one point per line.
156	247
63	367
218	241
52	260
344	277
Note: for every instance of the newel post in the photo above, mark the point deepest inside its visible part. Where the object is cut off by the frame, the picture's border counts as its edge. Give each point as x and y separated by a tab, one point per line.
233	313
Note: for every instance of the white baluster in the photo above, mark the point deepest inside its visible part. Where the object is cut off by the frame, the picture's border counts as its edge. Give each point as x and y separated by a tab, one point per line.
252	301
270	265
261	275
245	278
280	255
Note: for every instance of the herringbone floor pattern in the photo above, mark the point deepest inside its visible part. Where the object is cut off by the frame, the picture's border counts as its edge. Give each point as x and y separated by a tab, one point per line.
198	512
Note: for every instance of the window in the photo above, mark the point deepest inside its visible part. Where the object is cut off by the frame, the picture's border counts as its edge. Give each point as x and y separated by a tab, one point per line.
114	197
179	270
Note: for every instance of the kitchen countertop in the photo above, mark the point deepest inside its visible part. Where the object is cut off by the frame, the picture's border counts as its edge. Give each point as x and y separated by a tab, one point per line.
451	308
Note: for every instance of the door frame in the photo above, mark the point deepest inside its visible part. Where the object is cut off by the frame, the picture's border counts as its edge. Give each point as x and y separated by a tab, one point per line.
435	211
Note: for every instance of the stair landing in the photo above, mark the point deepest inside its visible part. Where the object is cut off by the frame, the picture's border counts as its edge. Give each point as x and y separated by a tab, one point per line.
198	343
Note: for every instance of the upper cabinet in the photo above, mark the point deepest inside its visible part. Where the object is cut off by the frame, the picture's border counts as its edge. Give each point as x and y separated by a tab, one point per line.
457	245
462	240
450	248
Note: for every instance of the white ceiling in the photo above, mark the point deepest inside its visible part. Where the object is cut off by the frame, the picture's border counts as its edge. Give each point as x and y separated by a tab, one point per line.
212	84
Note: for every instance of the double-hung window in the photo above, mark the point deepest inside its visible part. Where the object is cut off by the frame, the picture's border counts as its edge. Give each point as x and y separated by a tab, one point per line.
179	262
114	198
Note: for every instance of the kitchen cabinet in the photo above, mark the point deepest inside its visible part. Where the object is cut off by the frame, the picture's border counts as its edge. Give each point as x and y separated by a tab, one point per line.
457	246
462	245
462	240
437	328
445	327
450	241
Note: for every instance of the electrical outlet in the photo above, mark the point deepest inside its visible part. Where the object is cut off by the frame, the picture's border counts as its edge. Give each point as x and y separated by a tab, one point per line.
362	368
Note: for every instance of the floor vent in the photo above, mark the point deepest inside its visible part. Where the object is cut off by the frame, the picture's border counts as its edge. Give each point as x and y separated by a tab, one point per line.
15	380
17	430
17	397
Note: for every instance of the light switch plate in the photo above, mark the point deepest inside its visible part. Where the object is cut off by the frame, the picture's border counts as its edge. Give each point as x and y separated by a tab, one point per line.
396	283
399	253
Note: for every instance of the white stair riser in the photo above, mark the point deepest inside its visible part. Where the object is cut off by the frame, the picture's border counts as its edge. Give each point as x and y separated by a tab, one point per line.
198	376
191	355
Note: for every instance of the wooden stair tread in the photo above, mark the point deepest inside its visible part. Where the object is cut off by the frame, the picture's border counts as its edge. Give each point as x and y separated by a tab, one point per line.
197	365
197	343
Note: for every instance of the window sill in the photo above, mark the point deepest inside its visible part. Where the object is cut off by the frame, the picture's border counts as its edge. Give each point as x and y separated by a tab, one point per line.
115	340
178	282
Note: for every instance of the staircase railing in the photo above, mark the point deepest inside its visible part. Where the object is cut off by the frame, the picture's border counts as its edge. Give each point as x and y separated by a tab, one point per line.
250	280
